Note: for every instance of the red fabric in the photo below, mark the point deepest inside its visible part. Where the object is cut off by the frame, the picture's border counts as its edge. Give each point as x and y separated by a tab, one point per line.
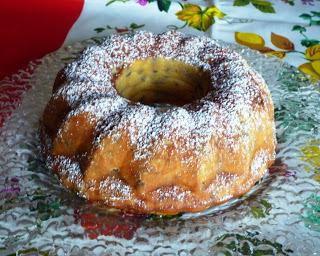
30	29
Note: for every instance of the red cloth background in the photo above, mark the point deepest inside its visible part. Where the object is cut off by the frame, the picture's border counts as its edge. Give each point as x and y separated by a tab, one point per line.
30	29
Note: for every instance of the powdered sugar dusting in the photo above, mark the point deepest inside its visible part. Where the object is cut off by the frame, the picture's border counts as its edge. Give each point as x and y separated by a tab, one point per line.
148	128
220	117
174	193
69	168
117	188
260	160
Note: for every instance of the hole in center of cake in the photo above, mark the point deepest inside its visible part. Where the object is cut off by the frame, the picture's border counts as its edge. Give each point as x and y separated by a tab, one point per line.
155	81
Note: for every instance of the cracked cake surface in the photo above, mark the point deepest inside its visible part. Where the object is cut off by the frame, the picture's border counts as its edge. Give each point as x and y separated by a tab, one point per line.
163	123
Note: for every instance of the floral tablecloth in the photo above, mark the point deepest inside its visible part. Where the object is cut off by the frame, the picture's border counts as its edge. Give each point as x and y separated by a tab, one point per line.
287	29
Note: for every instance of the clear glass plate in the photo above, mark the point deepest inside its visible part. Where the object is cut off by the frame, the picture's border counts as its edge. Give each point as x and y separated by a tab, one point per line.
280	215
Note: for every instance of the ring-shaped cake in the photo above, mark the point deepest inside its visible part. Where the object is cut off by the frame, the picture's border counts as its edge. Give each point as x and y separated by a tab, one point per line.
162	124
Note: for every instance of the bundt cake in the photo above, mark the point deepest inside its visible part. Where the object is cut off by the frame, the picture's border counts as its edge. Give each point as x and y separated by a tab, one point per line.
160	124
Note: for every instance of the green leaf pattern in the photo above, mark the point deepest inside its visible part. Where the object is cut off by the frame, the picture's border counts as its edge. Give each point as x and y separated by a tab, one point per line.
262	5
249	244
261	209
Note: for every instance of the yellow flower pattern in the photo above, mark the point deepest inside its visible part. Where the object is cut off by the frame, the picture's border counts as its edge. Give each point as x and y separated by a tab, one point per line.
312	68
202	17
197	18
316	177
308	69
311	155
256	42
313	52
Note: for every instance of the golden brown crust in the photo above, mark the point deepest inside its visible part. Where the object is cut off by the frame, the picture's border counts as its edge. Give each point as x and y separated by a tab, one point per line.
104	156
61	78
54	114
